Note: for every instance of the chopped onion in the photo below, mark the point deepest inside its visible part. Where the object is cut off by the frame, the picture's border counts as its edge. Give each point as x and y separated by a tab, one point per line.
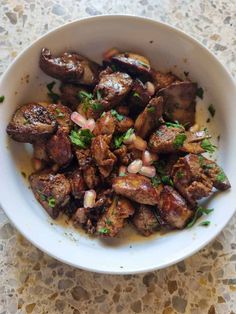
130	140
89	199
194	128
147	159
78	119
148	171
122	170
110	53
150	88
90	124
139	143
135	166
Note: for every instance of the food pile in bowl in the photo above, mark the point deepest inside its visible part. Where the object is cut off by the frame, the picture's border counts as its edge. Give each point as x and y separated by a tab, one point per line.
118	144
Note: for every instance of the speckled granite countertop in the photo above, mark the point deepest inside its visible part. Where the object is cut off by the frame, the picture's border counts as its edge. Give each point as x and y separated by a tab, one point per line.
31	281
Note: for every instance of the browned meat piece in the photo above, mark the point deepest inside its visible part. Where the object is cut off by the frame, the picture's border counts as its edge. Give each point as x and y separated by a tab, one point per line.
170	139
121	154
124	125
139	96
80	217
69	94
69	67
40	151
91	176
105	125
123	109
62	115
112	221
137	188
59	148
179	100
215	174
190	180
31	122
148	120
163	80
113	88
133	64
104	158
84	157
51	190
145	220
173	208
77	184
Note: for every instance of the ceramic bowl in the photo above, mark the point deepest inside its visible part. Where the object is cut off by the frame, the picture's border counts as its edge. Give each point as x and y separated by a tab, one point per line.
168	49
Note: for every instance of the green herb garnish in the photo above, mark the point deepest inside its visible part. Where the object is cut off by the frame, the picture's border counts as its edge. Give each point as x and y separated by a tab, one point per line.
143	64
167	180
221	176
122	174
205	223
41	195
113	67
118	140
179	140
51	201
207	146
59	113
175	124
200	92
198	213
160	167
118	116
151	109
81	138
84	95
99	96
179	174
2	99
136	95
212	110
108	222
54	96
96	106
156	181
103	230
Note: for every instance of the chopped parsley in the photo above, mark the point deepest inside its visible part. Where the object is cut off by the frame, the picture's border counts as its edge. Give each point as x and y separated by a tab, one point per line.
51	94
160	167
151	109
108	222
118	116
59	113
81	138
205	223
179	174
136	95
122	174
221	176
84	95
88	101
198	213
51	201
143	64
2	99
167	180
42	196
212	110
207	146
119	139
113	67
200	92
103	230
175	124
97	106
99	96
156	181
179	140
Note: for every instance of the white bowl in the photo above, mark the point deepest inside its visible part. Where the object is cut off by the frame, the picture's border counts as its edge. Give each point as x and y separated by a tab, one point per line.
167	48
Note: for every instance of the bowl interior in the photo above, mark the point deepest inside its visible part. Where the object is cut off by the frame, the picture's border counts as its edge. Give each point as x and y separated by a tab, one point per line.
168	49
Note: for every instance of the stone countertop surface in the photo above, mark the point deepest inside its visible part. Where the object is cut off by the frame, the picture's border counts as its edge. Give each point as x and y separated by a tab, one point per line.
33	282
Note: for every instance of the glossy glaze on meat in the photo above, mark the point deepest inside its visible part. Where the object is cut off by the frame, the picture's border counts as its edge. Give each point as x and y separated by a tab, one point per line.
120	146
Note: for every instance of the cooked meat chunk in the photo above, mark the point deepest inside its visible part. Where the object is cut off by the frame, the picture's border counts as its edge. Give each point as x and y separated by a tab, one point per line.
137	188
190	180
124	125
123	109
101	153
215	174
59	148
62	115
91	176
51	190
77	184
105	125
173	208
80	216
40	151
173	138
179	100
133	64
121	154
148	120
113	88
139	96
70	94
112	221
69	67
163	80
145	220
31	122
84	157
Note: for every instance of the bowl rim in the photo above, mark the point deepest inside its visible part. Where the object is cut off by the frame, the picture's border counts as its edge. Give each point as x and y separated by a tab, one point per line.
158	23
